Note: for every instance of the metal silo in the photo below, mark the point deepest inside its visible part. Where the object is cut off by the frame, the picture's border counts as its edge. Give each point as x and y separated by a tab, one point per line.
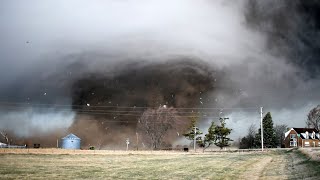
70	142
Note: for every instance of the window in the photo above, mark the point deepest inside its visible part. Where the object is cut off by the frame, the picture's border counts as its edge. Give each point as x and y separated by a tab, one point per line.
307	135
293	143
292	136
306	144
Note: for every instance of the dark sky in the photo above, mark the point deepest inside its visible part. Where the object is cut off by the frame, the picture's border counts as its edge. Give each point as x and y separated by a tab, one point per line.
258	53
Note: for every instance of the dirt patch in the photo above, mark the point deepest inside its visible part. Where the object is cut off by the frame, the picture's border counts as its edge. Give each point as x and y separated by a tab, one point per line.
255	170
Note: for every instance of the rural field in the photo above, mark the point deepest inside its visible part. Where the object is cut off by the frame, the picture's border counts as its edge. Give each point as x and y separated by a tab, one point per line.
62	164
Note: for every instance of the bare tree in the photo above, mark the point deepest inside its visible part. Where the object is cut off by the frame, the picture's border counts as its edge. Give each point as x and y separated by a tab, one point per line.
313	118
251	134
280	129
4	134
155	123
248	141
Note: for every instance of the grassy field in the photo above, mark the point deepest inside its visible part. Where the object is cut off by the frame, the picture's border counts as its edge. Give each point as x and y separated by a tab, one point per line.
157	165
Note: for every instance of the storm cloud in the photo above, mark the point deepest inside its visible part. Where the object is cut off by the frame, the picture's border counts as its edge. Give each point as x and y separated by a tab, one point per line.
231	54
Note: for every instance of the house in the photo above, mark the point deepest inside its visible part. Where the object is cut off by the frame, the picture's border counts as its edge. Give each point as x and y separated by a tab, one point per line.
302	137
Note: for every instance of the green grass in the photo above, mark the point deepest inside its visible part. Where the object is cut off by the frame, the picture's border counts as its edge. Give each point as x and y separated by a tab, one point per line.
272	165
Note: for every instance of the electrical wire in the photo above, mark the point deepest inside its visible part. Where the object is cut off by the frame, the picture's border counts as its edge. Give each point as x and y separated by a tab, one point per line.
132	107
113	110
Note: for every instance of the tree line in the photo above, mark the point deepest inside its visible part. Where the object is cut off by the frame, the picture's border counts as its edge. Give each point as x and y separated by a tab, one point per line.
217	134
273	136
155	123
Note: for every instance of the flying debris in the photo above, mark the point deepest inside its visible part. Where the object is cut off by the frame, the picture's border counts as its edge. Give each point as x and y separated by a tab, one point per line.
179	69
221	112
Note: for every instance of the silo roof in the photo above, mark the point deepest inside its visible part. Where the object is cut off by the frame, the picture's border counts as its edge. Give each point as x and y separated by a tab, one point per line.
71	136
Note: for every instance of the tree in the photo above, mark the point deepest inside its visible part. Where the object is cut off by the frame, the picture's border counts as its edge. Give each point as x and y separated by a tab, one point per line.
155	123
269	138
4	134
244	143
209	138
193	131
248	141
313	118
221	134
279	130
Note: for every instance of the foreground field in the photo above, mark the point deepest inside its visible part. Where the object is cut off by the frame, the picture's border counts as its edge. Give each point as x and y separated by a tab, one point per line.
155	165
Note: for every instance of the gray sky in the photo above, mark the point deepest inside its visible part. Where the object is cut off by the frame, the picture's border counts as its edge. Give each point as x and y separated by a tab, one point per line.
40	38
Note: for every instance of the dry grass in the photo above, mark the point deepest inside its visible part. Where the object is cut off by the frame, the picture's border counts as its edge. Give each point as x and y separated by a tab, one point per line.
93	152
79	164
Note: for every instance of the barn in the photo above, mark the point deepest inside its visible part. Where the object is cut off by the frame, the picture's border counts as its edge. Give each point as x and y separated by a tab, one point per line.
71	141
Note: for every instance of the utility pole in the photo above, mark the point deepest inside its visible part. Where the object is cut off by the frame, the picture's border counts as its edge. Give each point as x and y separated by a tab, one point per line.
194	139
127	142
261	118
137	141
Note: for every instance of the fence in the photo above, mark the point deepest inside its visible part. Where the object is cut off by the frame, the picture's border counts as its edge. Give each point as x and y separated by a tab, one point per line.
12	146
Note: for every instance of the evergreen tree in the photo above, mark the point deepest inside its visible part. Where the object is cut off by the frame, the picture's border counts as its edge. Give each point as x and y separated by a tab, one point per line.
269	137
222	133
209	138
244	143
190	134
257	139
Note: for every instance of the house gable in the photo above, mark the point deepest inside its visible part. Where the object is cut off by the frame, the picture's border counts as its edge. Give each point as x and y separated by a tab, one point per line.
302	137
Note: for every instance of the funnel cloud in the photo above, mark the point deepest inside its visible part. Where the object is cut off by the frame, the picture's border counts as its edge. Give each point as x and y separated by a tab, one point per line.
70	66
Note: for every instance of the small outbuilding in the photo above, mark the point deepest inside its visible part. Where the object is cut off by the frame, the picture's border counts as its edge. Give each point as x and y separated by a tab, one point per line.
71	141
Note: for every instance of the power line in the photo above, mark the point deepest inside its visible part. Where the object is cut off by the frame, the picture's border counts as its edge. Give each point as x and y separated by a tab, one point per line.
204	115
125	113
132	107
108	111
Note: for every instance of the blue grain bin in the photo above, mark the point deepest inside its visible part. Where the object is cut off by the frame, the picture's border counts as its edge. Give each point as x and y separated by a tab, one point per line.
70	142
